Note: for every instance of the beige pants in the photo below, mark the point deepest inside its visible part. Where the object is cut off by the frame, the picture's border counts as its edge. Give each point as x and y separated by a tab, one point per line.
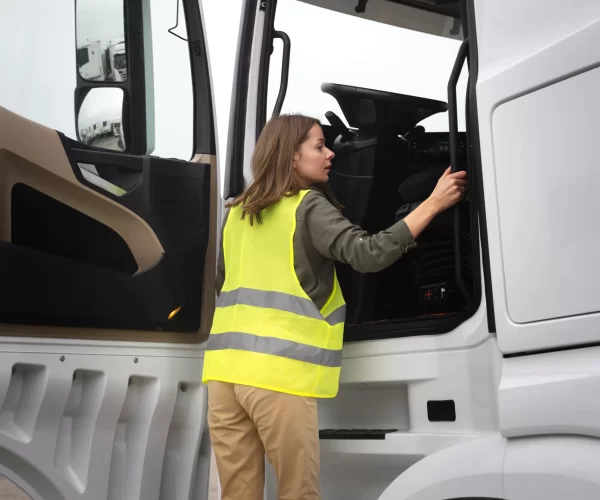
245	423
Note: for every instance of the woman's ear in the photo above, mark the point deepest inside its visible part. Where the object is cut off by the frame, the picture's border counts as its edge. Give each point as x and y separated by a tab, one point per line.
295	159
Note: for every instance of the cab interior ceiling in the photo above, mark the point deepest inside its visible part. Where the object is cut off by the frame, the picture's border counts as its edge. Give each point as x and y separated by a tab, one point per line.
434	17
385	166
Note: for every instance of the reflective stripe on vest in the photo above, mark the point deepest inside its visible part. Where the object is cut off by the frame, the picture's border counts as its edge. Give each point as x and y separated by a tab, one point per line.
277	347
281	301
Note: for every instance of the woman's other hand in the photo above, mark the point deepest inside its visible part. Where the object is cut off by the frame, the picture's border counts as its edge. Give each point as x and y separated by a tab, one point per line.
449	190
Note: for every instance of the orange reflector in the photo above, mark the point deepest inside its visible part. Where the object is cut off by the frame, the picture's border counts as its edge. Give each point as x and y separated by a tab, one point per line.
174	313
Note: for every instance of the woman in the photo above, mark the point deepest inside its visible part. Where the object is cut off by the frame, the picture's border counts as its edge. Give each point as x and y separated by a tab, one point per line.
276	340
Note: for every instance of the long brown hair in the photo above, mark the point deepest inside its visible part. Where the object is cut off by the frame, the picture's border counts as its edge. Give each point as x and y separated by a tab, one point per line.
274	176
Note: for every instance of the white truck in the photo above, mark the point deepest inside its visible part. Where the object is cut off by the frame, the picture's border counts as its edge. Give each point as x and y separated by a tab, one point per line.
470	369
116	60
90	59
117	130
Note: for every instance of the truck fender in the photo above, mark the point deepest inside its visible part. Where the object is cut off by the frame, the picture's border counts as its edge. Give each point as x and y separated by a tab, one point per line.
470	470
552	468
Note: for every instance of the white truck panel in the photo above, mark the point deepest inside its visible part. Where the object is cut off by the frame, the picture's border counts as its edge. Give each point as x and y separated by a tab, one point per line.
552	468
109	423
363	469
548	185
466	470
551	393
524	142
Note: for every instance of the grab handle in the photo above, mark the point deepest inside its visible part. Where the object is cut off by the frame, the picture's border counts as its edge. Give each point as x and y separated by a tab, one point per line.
285	70
454	147
452	112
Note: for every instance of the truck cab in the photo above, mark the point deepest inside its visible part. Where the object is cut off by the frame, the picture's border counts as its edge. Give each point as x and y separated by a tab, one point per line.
469	367
116	56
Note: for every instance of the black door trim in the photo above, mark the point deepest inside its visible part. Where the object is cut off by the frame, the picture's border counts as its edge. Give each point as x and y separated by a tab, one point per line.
476	170
234	169
204	122
265	61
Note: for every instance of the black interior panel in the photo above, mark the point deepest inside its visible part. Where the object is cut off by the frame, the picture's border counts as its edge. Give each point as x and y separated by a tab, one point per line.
65	268
180	194
384	167
444	7
379	181
47	289
43	223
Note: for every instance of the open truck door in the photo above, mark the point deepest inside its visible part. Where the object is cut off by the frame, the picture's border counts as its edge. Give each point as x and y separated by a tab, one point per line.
107	268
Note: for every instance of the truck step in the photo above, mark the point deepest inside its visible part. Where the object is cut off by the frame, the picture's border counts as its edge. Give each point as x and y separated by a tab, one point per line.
355	433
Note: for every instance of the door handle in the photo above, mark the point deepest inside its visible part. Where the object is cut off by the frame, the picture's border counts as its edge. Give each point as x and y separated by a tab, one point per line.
454	146
285	70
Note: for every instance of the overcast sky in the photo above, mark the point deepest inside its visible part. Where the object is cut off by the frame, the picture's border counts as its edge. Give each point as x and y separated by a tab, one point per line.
99	20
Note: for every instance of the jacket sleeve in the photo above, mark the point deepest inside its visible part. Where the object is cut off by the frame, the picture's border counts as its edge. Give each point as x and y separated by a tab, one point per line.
335	237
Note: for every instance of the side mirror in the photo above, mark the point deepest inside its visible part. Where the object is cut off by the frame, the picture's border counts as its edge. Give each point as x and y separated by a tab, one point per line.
100	119
101	49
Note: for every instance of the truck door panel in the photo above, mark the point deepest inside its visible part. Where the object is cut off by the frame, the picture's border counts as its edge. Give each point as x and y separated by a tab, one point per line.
100	392
123	247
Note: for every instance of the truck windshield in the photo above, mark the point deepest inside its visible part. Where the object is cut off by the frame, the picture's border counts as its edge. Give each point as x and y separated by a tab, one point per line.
371	54
120	61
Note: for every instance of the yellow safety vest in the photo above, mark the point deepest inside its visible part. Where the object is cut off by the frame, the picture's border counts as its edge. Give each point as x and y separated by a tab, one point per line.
266	331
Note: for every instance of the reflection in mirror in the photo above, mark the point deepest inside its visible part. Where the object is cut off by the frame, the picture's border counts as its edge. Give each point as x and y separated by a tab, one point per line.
100	119
101	54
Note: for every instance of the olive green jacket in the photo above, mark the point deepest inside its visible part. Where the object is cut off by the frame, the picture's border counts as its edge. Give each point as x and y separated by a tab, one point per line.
323	235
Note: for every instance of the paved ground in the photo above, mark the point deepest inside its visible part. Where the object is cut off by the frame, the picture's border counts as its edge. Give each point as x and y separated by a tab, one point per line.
10	491
106	142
